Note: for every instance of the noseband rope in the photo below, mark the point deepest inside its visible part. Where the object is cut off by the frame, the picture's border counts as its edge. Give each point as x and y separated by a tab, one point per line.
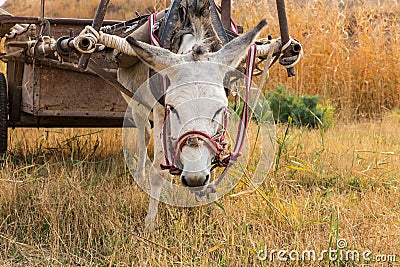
217	143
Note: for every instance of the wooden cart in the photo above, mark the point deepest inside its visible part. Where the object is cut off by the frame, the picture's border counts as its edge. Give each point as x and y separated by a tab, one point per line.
42	93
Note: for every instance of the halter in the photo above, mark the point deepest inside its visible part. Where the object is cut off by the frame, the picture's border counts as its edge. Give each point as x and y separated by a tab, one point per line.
215	144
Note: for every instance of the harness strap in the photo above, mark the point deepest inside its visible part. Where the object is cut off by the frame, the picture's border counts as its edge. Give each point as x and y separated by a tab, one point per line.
233	27
163	80
166	144
251	58
154	40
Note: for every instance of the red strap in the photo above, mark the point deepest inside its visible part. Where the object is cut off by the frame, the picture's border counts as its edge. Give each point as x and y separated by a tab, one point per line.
154	40
233	27
244	118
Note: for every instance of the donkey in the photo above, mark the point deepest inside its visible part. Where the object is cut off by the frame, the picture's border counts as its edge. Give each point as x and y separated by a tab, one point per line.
191	81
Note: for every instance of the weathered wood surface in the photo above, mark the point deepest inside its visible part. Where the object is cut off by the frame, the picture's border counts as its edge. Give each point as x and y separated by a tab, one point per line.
50	91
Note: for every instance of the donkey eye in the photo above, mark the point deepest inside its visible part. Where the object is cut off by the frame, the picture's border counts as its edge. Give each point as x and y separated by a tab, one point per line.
217	113
173	110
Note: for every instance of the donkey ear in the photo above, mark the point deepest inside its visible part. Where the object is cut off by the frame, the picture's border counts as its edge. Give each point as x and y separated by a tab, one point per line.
155	57
234	52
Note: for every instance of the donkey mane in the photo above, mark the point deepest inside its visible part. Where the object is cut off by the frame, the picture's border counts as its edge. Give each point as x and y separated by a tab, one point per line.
205	37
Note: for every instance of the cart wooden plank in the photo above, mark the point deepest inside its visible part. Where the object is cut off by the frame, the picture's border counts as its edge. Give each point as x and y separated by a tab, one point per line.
48	91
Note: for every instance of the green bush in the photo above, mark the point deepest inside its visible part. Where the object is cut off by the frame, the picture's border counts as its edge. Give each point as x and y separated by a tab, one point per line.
304	110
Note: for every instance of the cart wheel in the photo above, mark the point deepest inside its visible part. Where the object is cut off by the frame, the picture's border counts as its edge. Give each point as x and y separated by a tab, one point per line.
3	114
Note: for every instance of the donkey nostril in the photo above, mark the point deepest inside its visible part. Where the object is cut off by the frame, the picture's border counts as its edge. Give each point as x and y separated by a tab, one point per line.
184	182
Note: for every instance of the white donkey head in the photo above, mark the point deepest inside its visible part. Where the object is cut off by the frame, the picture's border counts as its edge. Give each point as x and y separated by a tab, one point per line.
196	98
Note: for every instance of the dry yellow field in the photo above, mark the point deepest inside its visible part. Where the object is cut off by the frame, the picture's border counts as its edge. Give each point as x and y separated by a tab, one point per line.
67	198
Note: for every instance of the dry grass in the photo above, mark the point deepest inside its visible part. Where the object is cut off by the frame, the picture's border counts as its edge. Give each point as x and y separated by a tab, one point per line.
67	199
351	52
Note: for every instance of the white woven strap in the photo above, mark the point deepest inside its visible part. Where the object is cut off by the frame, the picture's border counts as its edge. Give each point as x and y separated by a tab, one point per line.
285	46
91	35
109	40
116	42
295	58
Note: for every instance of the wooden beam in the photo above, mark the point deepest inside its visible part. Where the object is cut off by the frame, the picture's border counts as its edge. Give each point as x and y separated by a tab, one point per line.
226	6
15	71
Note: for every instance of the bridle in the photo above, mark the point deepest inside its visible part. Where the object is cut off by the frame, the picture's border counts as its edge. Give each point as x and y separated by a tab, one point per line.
215	144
